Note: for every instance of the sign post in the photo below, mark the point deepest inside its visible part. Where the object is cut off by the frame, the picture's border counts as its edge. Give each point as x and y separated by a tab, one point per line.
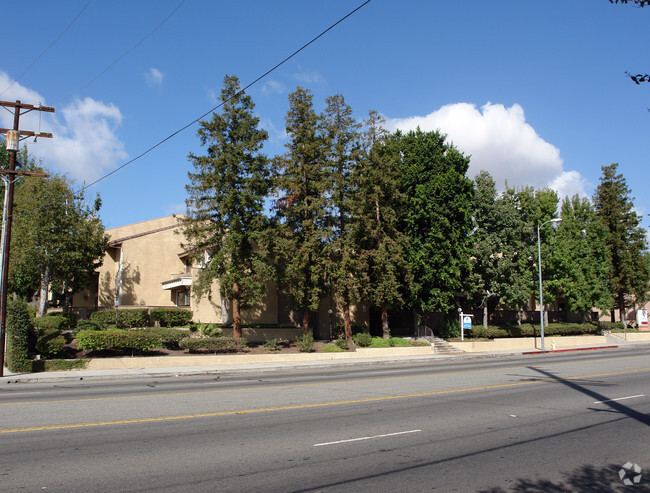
465	323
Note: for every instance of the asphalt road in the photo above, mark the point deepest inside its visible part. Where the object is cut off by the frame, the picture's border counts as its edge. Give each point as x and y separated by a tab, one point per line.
563	422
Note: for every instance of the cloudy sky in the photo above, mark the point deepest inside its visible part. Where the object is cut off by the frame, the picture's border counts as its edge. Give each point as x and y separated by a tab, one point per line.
534	92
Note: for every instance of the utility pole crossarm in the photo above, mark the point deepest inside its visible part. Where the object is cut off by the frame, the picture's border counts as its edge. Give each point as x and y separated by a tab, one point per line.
37	107
28	133
23	173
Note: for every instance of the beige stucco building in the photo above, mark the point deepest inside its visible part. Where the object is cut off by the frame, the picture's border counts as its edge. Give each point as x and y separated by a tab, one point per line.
146	266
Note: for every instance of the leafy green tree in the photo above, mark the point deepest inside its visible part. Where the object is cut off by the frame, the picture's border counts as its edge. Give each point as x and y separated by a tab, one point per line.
378	209
346	271
57	240
437	217
625	239
499	265
581	258
225	205
302	208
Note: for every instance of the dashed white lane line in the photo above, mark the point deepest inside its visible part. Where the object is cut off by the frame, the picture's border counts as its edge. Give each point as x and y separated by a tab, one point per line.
620	398
366	438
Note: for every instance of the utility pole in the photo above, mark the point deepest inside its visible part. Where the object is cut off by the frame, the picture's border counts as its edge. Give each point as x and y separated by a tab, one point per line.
13	143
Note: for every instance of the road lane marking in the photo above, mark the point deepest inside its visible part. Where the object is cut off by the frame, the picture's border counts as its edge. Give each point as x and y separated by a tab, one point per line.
620	399
314	384
366	438
314	405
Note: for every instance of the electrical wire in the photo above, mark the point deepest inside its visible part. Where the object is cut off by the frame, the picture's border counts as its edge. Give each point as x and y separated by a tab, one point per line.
185	127
47	49
117	60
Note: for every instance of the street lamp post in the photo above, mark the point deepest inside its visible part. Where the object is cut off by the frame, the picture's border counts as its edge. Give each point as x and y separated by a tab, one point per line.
539	264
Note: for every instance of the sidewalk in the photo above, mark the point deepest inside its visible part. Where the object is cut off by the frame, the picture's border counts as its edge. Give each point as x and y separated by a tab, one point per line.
204	365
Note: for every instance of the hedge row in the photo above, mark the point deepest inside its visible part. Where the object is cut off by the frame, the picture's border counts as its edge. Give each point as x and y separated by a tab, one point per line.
142	317
51	342
213	344
530	330
118	339
19	330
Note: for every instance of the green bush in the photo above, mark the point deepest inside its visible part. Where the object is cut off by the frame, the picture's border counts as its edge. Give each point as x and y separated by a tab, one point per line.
19	328
51	322
169	337
533	330
118	339
342	343
132	317
363	339
213	344
51	342
70	317
611	325
272	345
448	329
86	325
399	342
305	343
332	348
206	329
379	342
170	317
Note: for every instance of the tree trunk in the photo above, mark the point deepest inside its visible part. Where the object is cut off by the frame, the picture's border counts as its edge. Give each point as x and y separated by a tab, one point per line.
519	317
545	318
346	322
621	306
385	331
42	300
236	313
485	314
305	321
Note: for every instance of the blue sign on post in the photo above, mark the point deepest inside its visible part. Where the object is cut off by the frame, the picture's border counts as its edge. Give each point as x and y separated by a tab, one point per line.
467	322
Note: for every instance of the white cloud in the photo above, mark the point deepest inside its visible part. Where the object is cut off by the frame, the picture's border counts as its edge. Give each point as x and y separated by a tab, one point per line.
154	77
305	77
85	143
499	140
273	87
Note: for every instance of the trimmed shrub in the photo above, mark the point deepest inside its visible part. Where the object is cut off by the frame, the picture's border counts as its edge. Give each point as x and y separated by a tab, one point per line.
611	326
118	339
363	340
531	330
70	317
51	323
169	337
170	317
132	317
379	342
206	329
86	325
213	344
19	328
399	342
342	343
51	343
305	343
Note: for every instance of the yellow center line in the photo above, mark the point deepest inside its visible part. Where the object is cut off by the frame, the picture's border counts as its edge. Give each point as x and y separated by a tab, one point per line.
308	406
314	384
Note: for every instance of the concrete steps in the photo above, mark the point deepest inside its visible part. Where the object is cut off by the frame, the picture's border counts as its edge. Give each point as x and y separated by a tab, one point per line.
440	346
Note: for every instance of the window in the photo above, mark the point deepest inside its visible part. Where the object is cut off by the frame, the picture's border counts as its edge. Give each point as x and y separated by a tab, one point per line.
183	298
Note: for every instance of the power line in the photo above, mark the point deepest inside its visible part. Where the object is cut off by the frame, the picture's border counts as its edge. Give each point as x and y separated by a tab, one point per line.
185	127
114	62
47	49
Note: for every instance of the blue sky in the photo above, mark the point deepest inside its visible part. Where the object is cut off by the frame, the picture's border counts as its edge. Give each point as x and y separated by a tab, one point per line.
535	92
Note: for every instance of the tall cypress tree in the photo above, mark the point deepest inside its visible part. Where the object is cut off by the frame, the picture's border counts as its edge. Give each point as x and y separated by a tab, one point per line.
226	193
346	270
302	185
378	205
626	239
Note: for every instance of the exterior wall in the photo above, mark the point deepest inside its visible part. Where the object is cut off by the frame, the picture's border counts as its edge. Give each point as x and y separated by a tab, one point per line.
145	262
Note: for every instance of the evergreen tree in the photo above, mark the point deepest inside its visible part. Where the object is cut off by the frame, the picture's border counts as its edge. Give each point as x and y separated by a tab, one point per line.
379	205
346	271
581	258
625	239
303	206
437	217
225	203
499	273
